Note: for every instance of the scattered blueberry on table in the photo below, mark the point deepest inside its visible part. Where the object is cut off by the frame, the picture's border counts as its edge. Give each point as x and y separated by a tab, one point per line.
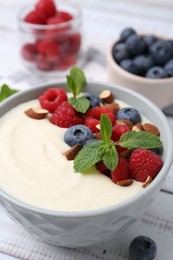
144	55
142	248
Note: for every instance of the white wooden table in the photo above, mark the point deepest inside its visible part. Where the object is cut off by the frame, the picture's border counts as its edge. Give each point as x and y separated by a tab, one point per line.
103	21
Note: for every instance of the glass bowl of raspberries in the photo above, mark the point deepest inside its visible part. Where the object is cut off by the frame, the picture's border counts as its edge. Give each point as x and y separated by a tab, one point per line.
119	134
143	62
50	36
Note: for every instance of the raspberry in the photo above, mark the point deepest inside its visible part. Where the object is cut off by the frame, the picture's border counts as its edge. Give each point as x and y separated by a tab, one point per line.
58	29
60	17
123	152
74	43
96	113
67	62
122	171
55	20
52	98
43	63
35	18
47	7
29	52
49	48
144	163
103	169
65	116
118	131
91	123
66	16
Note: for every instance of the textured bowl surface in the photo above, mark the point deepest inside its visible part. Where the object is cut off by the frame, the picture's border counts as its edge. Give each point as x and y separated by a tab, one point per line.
75	229
160	91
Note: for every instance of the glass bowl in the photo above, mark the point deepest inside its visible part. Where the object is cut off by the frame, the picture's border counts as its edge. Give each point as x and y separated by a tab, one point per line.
51	49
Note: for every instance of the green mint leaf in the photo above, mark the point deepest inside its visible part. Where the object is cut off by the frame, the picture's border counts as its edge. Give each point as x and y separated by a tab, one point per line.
70	84
132	140
76	81
88	156
80	104
110	158
105	128
78	78
6	92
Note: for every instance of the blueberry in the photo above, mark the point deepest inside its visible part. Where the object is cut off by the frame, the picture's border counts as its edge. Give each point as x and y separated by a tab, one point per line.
78	134
156	72
158	151
161	51
94	100
169	68
143	63
142	248
126	33
149	39
129	66
119	52
171	42
129	113
135	45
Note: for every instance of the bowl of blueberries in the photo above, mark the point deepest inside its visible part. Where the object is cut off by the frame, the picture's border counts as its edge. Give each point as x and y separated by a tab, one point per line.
144	63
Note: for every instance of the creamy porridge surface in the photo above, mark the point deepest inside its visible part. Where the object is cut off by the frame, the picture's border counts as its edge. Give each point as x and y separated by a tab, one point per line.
34	169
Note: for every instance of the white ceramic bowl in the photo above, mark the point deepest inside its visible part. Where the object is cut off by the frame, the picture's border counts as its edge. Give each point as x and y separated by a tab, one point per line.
160	91
77	229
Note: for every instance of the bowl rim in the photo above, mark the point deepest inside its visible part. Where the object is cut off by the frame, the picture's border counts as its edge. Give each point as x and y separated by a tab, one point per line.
109	209
131	76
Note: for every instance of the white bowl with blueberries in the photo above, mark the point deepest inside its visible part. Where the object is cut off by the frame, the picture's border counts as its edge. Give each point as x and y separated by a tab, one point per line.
144	63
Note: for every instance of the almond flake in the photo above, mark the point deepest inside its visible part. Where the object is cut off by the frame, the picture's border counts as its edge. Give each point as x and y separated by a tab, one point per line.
107	96
114	106
72	152
151	128
98	136
147	182
125	182
137	128
98	126
36	112
124	122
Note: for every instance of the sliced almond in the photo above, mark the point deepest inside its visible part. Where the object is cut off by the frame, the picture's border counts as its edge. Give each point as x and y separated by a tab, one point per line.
125	182
98	126
98	136
36	112
114	106
147	182
137	128
151	128
107	96
124	122
72	152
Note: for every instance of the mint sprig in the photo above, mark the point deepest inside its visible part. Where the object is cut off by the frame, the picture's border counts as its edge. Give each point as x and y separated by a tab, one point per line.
6	91
76	81
97	151
132	140
105	149
88	156
105	128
